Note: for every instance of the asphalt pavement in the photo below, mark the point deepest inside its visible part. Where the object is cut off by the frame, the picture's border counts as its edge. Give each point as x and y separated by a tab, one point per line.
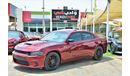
108	66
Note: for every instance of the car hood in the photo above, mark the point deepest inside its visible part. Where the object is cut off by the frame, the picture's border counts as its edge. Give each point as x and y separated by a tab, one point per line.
31	46
12	40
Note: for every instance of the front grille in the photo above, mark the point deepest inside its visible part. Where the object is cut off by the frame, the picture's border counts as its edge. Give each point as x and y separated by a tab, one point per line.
119	49
10	49
23	52
120	44
20	60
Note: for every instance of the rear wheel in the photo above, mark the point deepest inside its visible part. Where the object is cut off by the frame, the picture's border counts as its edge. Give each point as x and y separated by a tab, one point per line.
98	53
52	61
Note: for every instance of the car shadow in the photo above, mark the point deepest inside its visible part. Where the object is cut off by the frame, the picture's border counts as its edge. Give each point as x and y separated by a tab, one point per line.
118	54
65	66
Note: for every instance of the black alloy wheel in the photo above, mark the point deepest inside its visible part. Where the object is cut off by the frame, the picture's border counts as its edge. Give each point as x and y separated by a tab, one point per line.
52	61
112	48
98	53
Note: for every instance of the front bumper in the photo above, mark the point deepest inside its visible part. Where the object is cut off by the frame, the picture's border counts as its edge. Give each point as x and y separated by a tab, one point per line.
28	61
118	49
10	48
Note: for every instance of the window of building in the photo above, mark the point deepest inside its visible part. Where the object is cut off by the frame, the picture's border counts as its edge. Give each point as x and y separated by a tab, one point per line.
40	30
25	29
32	29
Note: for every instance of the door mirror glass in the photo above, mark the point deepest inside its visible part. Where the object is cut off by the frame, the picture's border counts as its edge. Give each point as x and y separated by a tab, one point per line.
110	35
116	36
70	40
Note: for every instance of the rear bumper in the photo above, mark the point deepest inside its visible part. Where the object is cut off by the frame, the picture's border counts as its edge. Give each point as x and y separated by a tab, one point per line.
28	61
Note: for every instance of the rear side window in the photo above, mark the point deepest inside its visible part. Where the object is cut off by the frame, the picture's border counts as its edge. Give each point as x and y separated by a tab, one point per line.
76	37
87	36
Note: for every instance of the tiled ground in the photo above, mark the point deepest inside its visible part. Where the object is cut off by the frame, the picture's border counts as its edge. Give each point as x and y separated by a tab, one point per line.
86	67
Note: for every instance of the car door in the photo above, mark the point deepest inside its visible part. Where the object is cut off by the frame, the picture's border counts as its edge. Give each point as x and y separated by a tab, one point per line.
89	44
76	45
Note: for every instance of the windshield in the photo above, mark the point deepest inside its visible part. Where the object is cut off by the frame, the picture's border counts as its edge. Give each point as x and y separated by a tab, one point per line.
56	36
13	34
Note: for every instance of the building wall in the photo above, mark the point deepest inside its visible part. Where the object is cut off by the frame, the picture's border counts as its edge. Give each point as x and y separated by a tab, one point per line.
36	23
19	22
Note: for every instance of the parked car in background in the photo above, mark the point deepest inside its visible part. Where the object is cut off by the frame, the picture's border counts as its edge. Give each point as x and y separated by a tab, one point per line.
115	42
33	35
15	37
59	47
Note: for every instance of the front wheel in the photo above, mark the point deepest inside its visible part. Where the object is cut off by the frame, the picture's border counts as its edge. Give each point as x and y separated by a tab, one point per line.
52	61
113	49
98	53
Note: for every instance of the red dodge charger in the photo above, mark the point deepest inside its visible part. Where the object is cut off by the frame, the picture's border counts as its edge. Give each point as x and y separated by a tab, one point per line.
59	47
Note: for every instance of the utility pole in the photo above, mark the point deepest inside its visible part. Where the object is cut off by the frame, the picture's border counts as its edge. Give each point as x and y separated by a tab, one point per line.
51	22
43	20
108	15
94	10
86	23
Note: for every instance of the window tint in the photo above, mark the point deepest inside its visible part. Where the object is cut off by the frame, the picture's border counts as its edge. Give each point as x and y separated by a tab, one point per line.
76	37
87	36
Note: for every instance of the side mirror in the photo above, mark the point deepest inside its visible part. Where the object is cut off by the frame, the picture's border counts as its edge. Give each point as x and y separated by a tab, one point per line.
116	36
110	36
70	40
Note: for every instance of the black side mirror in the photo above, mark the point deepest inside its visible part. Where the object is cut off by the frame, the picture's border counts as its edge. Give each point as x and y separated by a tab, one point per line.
110	36
116	36
70	40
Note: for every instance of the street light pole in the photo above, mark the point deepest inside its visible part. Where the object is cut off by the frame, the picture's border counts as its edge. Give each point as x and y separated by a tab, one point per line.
108	14
86	23
94	10
43	20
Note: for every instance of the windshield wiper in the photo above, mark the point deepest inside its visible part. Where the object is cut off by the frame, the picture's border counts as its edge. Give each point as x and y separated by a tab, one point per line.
44	40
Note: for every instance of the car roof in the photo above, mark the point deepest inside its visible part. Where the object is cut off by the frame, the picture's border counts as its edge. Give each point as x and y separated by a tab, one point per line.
74	30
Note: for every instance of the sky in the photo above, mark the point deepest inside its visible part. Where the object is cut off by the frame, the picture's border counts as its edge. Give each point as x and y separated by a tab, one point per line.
36	5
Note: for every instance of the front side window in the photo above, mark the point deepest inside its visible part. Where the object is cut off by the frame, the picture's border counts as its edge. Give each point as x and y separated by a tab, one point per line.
76	37
56	36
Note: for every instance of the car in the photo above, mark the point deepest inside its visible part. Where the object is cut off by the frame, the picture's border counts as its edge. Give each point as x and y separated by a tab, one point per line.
15	37
114	43
59	47
33	35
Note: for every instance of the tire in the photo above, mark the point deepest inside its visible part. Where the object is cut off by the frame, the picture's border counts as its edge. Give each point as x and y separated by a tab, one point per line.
109	47
98	53
113	49
52	61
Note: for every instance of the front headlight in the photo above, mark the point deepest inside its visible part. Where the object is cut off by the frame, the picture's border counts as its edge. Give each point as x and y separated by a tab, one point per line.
38	53
16	42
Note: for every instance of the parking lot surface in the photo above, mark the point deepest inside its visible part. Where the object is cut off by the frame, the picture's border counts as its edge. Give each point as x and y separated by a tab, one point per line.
108	66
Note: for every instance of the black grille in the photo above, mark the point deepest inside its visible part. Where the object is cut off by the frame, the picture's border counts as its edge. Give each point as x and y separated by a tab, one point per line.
23	52
120	44
10	49
119	49
23	62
